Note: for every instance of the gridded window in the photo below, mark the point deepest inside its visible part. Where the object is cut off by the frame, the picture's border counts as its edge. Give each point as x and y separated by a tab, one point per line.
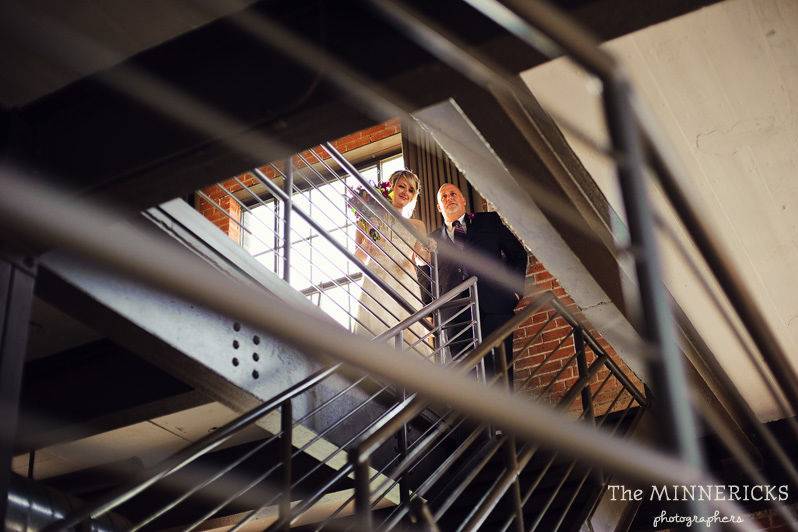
318	269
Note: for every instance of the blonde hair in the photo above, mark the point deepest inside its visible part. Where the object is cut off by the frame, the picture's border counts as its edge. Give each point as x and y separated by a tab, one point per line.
413	178
406	174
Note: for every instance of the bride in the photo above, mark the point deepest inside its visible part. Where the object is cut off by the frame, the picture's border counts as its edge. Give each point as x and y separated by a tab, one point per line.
391	253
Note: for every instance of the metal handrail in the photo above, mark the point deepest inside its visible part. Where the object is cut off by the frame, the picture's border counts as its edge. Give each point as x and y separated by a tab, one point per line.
428	309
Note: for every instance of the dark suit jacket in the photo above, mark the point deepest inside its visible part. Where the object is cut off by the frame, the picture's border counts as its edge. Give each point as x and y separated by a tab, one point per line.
488	236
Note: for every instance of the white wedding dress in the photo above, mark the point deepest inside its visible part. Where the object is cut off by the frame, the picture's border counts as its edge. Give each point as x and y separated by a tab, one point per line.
392	262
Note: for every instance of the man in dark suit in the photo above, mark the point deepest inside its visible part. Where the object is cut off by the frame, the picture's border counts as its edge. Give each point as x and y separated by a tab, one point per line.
468	235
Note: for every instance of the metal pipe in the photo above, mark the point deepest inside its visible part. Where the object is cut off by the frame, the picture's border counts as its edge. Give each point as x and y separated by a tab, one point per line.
348	188
506	480
543	17
362	489
288	206
365	234
597	349
393	519
286	427
581	366
436	292
352	171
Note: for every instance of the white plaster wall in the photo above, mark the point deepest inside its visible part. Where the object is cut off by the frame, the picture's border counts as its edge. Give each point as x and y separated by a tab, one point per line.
723	82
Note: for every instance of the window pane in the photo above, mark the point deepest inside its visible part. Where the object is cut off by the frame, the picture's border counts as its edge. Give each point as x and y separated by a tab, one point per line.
260	224
390	166
330	205
299	227
371	174
337	303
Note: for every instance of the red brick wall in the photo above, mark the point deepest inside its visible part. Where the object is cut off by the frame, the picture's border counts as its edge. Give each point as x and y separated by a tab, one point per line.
529	356
230	225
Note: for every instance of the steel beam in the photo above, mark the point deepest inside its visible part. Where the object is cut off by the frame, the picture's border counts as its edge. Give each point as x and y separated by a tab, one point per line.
17	278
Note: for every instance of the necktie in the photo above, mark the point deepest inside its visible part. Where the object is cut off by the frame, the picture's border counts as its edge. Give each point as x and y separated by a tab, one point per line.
458	233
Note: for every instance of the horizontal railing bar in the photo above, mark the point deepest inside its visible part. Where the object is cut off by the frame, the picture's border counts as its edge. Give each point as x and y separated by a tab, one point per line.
306	258
556	491
543	362
358	229
391	212
504	482
472	474
373	440
537	334
327	285
428	309
393	518
310	221
594	345
352	171
264	179
418	453
195	450
297	513
342	180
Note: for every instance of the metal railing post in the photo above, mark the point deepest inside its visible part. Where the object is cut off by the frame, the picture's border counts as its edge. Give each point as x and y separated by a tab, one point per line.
360	464
288	183
581	366
476	328
512	451
401	436
666	368
286	437
437	317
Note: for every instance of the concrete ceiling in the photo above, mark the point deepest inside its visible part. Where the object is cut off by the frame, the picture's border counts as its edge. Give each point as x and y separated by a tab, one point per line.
149	441
123	28
723	82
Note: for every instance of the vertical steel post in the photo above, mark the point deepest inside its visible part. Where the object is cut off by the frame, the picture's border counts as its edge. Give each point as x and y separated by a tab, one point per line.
510	447
17	277
31	463
666	367
581	366
476	328
401	436
277	219
288	185
286	436
437	317
362	489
